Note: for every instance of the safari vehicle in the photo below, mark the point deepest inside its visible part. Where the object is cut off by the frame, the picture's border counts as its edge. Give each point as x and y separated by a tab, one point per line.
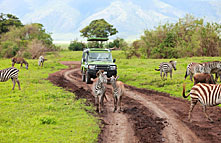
95	59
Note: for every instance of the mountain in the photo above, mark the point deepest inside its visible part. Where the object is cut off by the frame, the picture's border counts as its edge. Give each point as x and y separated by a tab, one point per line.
65	18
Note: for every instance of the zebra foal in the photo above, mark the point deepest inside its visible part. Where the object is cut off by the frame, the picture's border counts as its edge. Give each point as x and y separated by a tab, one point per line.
8	73
99	90
206	94
166	67
118	91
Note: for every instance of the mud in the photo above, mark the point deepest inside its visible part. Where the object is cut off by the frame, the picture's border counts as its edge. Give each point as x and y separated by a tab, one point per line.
148	116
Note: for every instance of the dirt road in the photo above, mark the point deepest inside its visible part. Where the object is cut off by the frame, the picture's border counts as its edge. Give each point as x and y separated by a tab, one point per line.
148	116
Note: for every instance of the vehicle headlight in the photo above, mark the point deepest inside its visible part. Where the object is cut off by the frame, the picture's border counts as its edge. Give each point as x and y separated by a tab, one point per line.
91	67
112	67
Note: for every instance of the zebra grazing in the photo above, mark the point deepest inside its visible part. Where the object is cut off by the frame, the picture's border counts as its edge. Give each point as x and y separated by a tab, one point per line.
99	90
206	94
41	61
193	68
166	67
19	60
118	91
8	73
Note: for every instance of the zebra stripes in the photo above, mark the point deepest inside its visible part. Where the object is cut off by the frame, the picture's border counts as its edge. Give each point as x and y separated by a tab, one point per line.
10	73
118	91
193	68
207	67
99	90
206	94
166	67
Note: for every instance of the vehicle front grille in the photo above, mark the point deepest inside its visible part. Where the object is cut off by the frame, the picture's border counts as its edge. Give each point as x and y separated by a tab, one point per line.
102	67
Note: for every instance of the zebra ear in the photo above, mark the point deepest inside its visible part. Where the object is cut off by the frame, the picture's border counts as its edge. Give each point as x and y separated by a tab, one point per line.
116	77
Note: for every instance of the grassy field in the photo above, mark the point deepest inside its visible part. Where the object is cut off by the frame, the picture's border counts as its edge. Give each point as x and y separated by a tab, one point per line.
42	112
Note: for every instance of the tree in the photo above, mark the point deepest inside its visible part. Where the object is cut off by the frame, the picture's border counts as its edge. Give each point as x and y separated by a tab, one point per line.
98	28
8	20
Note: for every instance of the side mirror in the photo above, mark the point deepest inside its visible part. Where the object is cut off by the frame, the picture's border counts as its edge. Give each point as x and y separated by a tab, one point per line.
114	60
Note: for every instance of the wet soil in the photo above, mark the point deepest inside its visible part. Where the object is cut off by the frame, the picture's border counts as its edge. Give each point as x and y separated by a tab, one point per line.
148	116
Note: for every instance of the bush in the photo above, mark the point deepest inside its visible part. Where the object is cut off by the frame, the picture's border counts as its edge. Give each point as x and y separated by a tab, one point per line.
76	46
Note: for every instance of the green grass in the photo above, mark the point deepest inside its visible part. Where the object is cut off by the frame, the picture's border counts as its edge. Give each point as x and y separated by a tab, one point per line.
42	112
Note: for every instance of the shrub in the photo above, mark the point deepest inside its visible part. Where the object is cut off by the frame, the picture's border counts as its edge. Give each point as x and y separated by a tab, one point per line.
76	46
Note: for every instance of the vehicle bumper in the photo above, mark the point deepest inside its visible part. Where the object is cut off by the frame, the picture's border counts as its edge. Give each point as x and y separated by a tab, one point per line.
92	73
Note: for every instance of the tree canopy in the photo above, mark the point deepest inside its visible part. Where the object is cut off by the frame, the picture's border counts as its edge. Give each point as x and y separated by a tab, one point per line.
98	28
8	20
190	36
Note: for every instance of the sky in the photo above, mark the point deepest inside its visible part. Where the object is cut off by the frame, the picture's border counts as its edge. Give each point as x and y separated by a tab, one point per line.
65	18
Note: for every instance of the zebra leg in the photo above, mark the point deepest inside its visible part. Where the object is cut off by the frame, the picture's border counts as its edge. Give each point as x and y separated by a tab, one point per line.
115	104
204	110
193	103
96	102
161	74
100	103
13	80
119	103
171	74
21	65
18	84
166	74
191	76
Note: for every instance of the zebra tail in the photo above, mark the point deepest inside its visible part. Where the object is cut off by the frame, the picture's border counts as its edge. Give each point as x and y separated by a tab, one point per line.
157	69
187	73
184	87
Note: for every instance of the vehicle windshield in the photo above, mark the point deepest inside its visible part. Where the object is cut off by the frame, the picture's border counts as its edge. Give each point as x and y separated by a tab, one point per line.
100	57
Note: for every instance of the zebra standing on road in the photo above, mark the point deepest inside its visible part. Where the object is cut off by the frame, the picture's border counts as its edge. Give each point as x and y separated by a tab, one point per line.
41	61
8	73
118	91
99	90
206	94
167	67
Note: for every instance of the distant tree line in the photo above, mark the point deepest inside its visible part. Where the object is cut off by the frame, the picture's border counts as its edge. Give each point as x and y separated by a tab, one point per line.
116	44
16	39
188	37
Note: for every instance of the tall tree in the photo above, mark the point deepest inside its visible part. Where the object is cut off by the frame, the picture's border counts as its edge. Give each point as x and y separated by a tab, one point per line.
98	28
7	20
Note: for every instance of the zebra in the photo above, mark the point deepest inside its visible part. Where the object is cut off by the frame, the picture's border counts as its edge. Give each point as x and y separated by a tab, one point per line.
19	60
193	68
118	91
206	94
99	90
8	73
167	67
206	67
213	68
41	61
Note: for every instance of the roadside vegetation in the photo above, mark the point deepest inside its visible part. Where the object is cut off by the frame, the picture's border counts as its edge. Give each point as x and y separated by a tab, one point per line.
42	112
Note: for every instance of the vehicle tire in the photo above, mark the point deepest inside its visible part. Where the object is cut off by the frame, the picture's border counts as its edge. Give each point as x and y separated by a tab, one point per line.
83	76
87	78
